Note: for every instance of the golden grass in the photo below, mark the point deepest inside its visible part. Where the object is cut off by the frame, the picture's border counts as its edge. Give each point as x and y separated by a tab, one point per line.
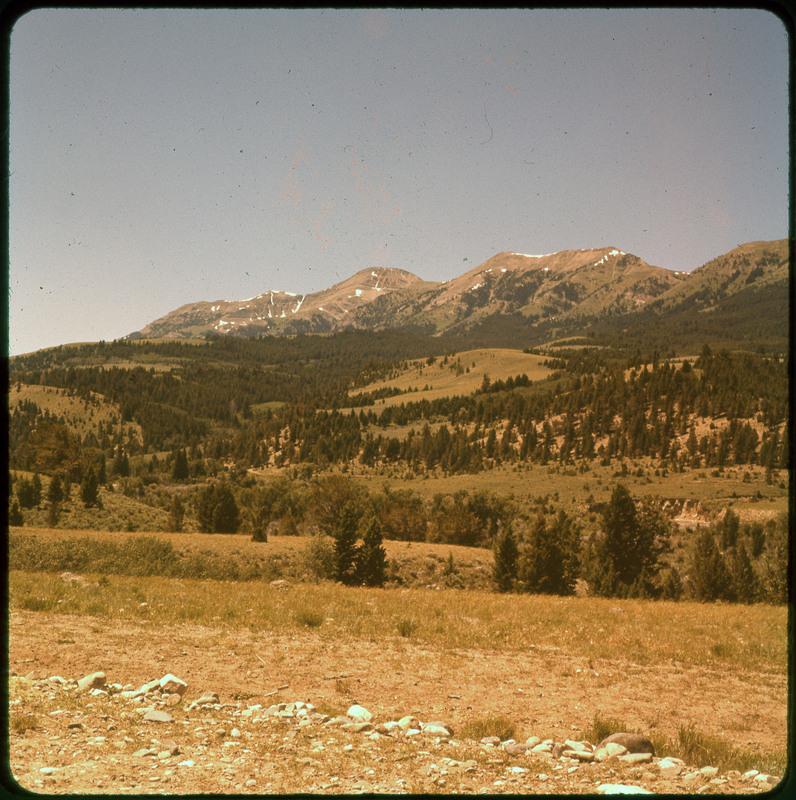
732	637
444	380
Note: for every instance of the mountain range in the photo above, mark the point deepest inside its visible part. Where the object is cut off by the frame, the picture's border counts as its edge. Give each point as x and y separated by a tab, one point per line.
569	288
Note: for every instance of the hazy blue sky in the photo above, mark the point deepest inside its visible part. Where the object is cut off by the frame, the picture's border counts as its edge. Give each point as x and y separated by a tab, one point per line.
160	157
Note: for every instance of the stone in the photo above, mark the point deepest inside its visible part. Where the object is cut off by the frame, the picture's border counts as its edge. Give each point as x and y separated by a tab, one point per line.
280	583
170	684
432	729
173	699
611	751
532	741
579	755
95	680
634	742
359	714
158	716
357	727
618	788
542	747
516	748
150	686
636	758
144	752
709	772
667	768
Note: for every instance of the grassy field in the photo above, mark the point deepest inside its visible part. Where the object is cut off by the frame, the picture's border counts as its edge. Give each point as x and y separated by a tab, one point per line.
733	637
463	374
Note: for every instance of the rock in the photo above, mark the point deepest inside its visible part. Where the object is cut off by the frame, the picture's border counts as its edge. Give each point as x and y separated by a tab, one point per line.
532	741
516	748
433	729
611	750
359	714
207	699
143	752
280	583
170	684
636	758
95	680
769	780
409	722
634	742
579	755
158	716
542	747
357	727
668	768
492	741
150	686
437	724
709	772
748	776
618	788
173	699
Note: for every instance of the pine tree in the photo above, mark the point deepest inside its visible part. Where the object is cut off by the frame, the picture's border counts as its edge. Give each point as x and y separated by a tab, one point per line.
15	517
710	578
89	488
372	557
55	491
176	515
344	534
179	470
550	561
744	580
504	569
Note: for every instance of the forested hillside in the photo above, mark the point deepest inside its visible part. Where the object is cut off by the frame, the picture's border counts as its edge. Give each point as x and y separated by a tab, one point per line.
320	434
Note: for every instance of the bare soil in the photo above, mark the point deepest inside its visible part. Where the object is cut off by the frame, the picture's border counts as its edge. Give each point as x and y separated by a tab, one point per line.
545	692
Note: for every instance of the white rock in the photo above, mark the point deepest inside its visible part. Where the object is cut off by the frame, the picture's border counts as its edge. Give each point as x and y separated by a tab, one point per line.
93	681
669	768
407	723
709	772
359	714
171	684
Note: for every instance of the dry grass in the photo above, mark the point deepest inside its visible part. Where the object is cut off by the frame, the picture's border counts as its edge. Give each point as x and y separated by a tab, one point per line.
445	380
736	638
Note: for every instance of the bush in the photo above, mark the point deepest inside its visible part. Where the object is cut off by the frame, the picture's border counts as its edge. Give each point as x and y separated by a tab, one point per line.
318	557
499	726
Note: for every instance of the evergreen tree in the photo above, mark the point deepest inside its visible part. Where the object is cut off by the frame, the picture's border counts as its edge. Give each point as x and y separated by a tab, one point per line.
36	490
89	488
344	534
504	569
226	516
372	557
25	493
744	580
55	491
176	515
179	470
550	561
626	560
217	511
15	517
710	578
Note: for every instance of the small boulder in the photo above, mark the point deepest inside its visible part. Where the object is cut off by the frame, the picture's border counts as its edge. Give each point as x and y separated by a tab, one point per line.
634	742
409	723
359	714
516	748
170	684
96	680
668	768
158	716
618	788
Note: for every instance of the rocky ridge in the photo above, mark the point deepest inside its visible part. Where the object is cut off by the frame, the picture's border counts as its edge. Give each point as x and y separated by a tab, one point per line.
108	737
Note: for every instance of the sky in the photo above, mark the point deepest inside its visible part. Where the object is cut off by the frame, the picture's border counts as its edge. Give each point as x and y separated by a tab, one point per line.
166	156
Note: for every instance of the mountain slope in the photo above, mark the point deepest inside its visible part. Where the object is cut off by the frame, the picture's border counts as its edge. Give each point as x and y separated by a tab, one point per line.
279	311
564	290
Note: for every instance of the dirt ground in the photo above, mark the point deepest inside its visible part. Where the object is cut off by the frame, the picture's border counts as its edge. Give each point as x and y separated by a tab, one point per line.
545	692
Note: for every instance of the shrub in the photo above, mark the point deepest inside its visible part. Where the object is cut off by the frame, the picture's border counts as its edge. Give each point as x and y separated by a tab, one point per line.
318	557
499	726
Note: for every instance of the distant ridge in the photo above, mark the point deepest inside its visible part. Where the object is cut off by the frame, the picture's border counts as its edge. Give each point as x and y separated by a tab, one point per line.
565	286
